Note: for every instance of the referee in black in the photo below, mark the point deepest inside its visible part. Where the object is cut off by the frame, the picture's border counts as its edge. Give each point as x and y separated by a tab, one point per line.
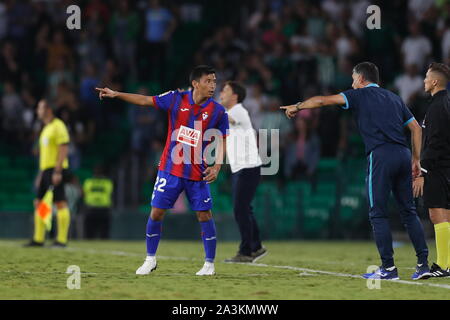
381	117
434	183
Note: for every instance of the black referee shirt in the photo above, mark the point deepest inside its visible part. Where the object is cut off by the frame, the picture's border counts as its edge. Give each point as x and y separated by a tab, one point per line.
436	133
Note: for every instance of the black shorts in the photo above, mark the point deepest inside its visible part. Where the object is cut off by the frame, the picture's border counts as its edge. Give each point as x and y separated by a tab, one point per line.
46	181
436	188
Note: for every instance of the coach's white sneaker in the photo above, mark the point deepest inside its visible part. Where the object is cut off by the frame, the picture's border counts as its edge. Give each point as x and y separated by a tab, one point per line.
148	266
207	270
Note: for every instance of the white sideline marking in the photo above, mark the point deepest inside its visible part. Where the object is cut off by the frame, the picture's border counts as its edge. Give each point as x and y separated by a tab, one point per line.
303	270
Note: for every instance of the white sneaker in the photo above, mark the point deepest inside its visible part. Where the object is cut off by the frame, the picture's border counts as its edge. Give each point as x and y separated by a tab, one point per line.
148	266
207	269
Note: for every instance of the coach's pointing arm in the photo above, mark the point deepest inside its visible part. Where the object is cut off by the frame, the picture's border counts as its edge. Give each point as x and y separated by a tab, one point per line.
314	102
137	99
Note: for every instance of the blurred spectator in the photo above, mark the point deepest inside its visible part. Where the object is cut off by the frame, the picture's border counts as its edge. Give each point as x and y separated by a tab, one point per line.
98	9
358	16
144	122
9	64
416	48
89	98
12	113
123	28
18	17
61	73
40	54
90	49
58	51
97	193
303	154
316	23
418	8
326	64
334	9
191	12
409	84
3	21
255	102
445	44
262	19
159	26
112	108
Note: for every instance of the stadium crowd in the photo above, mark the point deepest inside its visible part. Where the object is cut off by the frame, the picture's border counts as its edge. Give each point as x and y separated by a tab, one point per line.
279	49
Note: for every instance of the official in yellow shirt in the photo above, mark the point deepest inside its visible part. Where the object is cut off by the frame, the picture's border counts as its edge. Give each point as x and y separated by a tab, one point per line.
97	193
53	170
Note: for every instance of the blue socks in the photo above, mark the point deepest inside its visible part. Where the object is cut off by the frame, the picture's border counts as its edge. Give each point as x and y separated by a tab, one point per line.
209	239
153	235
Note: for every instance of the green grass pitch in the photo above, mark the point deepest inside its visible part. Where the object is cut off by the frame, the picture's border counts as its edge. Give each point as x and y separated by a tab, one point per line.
292	270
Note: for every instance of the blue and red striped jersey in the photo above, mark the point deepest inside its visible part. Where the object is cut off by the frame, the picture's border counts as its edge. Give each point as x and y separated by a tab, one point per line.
189	132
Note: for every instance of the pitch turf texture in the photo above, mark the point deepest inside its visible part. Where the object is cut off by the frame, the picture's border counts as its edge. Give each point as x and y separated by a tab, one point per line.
292	270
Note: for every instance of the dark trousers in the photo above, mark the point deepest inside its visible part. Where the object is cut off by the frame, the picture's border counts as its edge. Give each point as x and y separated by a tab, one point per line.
244	183
97	222
389	169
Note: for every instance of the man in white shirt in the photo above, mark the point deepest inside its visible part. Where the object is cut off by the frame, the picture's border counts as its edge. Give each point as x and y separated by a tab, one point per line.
416	48
409	84
245	162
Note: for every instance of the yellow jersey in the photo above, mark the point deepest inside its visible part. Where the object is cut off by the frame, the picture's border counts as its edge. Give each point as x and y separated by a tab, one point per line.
54	134
97	192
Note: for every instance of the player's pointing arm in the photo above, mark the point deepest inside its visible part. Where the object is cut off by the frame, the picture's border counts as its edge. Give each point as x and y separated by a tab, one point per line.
137	99
314	102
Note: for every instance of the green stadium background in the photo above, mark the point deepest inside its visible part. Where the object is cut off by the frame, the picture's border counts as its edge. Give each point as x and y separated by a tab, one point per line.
333	208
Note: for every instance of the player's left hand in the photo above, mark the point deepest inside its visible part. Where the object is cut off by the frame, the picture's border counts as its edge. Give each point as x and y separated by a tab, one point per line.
291	110
210	174
56	178
418	187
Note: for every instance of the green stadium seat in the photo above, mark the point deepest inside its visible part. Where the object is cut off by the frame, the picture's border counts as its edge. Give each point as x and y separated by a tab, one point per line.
315	222
25	163
4	162
18	207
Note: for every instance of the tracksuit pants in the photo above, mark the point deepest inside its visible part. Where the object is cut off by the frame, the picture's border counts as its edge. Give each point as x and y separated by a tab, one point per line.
389	169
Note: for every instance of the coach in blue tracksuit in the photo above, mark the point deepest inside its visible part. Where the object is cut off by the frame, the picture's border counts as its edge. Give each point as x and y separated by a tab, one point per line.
381	117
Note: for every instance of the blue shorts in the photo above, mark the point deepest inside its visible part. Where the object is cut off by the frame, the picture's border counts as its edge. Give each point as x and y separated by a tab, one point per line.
168	187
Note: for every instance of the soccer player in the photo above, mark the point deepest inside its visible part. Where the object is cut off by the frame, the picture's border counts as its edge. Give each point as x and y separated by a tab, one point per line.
381	117
245	164
193	116
434	183
53	170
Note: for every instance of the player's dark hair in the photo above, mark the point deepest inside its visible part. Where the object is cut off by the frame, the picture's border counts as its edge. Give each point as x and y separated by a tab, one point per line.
440	68
200	71
237	89
368	71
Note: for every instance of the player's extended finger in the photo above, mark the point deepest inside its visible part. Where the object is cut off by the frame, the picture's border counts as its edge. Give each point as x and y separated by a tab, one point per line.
284	107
